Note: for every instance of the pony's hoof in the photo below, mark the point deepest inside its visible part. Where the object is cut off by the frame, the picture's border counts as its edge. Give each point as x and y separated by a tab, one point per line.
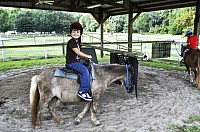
194	85
77	121
97	123
62	122
37	127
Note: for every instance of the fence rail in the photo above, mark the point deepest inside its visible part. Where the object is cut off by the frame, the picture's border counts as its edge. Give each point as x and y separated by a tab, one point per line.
48	46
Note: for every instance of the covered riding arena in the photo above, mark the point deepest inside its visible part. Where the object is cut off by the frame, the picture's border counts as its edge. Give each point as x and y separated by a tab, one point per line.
164	99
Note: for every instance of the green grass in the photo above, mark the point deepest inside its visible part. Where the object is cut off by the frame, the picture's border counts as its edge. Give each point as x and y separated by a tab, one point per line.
189	127
16	64
184	128
8	65
192	119
163	64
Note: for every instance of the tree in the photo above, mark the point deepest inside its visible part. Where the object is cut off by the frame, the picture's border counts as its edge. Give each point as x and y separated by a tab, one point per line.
4	20
174	21
24	22
12	15
142	25
89	23
185	19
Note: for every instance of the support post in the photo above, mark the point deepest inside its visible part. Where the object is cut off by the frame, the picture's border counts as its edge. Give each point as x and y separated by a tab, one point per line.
130	28
101	30
45	49
2	50
131	19
196	20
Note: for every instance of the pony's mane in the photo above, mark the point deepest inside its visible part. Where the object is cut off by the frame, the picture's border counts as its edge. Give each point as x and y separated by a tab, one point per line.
109	67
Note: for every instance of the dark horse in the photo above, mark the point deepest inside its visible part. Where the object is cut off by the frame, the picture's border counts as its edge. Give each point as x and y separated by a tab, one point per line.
192	64
46	90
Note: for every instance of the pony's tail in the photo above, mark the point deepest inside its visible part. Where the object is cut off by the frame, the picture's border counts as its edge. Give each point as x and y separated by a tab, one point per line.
198	71
34	100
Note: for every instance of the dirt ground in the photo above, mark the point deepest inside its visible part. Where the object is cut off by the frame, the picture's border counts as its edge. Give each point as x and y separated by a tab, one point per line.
164	98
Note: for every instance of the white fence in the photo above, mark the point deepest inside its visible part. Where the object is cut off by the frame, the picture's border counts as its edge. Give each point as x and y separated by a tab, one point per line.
112	41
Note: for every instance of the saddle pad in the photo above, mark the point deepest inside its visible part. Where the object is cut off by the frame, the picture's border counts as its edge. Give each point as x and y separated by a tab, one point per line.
60	73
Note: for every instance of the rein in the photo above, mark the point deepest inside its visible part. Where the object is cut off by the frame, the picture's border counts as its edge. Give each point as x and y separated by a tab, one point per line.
177	49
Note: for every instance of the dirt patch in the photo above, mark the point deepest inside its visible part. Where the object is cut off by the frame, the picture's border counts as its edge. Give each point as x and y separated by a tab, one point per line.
164	98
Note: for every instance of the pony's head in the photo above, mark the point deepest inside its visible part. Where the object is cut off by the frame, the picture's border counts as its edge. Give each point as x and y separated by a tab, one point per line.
182	49
129	83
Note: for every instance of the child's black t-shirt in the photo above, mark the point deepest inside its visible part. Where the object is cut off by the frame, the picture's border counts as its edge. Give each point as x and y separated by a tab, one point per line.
71	56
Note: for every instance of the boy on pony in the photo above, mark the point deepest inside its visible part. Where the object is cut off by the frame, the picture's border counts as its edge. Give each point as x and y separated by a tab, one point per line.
192	42
73	60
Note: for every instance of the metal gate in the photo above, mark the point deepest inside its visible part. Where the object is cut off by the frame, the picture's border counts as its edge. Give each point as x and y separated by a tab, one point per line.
161	49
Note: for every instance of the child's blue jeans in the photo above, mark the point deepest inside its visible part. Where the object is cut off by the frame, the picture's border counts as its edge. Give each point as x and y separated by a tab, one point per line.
84	76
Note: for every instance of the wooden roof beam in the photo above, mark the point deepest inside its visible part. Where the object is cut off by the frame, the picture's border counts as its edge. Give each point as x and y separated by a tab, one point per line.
108	2
162	4
164	7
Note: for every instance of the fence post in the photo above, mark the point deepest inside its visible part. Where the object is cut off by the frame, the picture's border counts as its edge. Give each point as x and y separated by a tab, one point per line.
92	38
2	50
45	48
179	57
63	48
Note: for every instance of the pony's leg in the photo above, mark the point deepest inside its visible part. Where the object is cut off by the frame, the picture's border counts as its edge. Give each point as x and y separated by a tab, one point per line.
191	76
197	81
40	108
194	75
93	110
81	115
185	74
51	106
198	77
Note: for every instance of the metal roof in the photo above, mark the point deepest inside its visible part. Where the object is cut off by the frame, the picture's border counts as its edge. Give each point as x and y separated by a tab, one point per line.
108	7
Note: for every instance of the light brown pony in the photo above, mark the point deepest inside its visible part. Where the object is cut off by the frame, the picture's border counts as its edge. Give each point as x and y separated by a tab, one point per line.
192	64
46	90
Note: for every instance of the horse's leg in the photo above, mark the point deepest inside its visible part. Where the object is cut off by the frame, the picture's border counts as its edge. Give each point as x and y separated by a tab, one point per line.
186	72
43	103
93	110
40	108
191	77
81	115
194	70
51	106
197	77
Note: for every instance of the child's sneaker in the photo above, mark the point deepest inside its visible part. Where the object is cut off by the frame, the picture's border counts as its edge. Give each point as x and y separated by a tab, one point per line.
85	96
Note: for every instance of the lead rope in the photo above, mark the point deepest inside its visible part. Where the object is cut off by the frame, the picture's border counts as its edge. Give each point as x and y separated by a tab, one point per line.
127	77
176	49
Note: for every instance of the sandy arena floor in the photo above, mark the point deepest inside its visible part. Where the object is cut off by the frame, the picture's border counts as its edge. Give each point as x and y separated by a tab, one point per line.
164	98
